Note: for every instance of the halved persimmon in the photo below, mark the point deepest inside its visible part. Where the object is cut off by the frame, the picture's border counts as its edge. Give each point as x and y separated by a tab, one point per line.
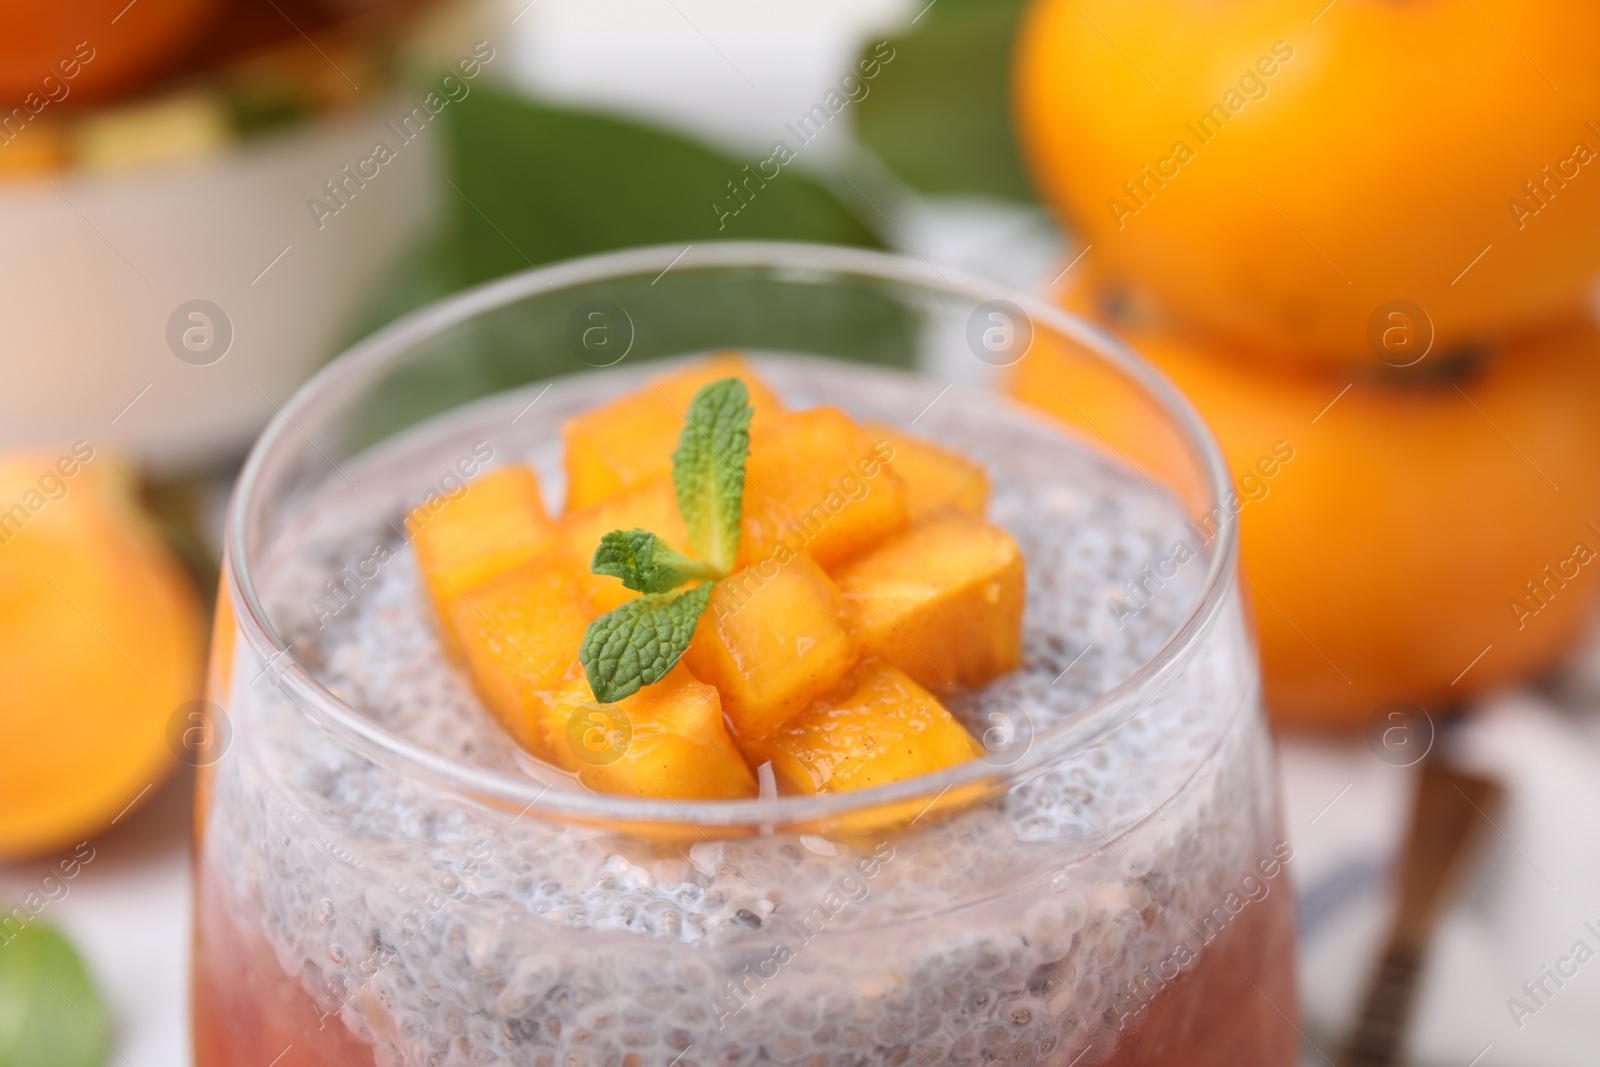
100	646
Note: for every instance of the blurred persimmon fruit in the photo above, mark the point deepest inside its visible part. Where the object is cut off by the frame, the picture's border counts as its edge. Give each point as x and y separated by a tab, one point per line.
51	52
100	646
1280	179
1426	540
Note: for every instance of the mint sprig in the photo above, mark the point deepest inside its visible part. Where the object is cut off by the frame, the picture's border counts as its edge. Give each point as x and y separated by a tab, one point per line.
636	644
708	469
645	563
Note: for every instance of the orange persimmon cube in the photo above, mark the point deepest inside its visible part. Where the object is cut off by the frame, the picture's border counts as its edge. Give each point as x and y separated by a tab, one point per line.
648	505
519	633
771	641
937	479
497	523
818	483
666	740
880	727
630	439
943	601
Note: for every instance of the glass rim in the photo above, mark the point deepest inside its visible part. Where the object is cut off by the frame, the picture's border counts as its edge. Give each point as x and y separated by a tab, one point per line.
370	356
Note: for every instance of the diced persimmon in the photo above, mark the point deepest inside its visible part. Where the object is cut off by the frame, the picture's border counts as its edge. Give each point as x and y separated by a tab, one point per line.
943	601
498	523
519	633
649	505
880	727
631	439
666	740
937	479
772	644
818	483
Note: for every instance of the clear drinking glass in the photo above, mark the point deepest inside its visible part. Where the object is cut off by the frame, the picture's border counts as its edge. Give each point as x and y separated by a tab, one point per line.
383	878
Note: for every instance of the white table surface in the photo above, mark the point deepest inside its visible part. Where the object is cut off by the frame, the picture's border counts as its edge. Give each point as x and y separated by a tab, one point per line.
127	911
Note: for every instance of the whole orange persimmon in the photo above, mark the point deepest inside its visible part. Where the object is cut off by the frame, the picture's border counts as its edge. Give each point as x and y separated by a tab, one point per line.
100	647
1420	541
1282	174
54	52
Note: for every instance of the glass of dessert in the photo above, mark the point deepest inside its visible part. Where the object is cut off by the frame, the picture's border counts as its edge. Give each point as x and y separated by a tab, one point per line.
731	704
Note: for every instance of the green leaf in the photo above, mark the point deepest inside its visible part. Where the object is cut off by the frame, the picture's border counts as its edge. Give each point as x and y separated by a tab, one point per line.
708	469
939	112
50	1014
530	184
570	183
635	645
645	563
533	184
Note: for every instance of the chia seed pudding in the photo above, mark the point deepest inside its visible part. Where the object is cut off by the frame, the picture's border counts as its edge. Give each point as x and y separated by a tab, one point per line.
1020	927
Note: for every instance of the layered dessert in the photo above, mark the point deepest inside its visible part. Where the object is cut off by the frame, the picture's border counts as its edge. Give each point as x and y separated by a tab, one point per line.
751	709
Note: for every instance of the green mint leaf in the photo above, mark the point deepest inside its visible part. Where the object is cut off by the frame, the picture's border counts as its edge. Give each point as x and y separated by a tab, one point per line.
645	563
708	470
635	645
50	1014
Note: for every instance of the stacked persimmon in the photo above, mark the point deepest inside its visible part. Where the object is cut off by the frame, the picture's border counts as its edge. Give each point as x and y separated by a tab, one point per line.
1259	228
856	578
